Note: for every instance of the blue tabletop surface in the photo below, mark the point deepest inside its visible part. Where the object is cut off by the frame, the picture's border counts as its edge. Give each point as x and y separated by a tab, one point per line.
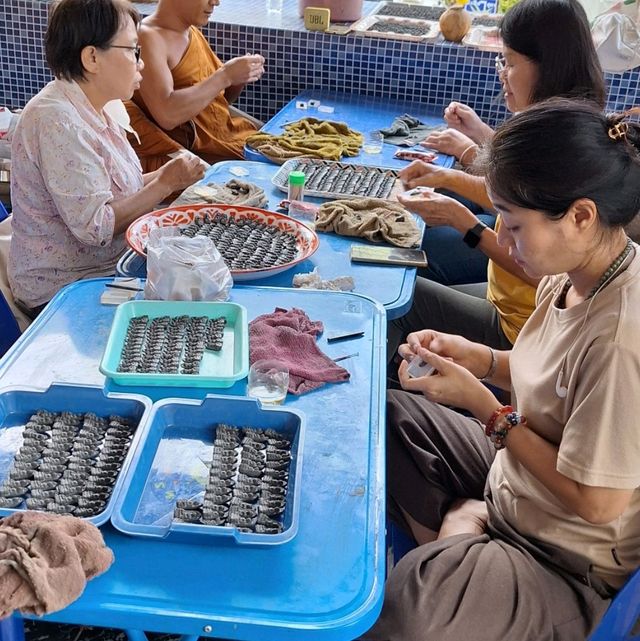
390	285
362	114
327	582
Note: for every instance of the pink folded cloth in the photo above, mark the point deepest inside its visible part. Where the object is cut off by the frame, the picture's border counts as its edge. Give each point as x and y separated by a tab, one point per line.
290	337
46	560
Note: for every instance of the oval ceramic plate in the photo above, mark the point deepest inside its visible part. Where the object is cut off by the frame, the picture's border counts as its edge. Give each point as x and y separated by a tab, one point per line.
306	239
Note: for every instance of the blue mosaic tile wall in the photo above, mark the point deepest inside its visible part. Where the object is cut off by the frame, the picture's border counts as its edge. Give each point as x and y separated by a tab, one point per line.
432	74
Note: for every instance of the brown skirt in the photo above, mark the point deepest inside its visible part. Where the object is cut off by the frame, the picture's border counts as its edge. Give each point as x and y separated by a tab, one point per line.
494	587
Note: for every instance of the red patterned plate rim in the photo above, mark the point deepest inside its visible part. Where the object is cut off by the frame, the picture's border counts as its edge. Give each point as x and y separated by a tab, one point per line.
137	232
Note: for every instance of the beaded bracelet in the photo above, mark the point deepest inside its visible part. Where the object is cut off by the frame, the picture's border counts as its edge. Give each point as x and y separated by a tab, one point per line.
503	409
499	436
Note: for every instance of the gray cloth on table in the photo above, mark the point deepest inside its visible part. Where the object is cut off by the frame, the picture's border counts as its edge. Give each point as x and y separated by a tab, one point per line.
498	585
407	130
234	192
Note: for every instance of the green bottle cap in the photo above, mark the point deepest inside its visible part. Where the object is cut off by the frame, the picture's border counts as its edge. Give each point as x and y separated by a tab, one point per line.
296	178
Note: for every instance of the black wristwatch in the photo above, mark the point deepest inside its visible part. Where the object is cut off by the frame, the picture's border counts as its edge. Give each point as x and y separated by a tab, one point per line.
472	237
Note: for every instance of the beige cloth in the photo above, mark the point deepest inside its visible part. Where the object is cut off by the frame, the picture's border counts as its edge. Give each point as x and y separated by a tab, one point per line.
595	425
45	561
308	137
5	242
371	218
234	192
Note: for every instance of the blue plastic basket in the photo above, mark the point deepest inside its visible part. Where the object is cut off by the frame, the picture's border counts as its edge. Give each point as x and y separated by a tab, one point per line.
171	464
18	404
217	369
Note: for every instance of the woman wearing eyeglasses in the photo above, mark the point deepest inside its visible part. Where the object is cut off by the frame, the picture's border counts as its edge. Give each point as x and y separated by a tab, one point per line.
76	183
547	52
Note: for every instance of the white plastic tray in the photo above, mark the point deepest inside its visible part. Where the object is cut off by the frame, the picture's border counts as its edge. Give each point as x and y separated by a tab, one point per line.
280	179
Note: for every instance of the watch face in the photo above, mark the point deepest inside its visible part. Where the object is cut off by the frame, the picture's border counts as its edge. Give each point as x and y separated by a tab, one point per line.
472	237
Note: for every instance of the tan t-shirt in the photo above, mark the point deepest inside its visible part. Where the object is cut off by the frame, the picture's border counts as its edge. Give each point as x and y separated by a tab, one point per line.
596	426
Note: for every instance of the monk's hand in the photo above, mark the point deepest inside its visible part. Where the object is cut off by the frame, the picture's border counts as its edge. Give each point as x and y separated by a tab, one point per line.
244	69
182	171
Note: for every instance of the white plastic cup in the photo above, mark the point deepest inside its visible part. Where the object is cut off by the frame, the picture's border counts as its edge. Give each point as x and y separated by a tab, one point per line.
268	381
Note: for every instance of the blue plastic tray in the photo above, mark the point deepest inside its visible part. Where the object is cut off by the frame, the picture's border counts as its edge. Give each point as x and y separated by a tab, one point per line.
18	404
171	465
217	369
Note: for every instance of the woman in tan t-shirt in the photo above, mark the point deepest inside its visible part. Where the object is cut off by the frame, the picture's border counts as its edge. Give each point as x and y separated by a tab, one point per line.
528	517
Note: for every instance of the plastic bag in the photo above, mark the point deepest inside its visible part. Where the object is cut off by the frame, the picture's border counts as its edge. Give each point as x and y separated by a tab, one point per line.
617	42
182	268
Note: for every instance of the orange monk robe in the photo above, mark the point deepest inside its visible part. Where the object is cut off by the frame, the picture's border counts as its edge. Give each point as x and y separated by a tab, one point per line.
213	134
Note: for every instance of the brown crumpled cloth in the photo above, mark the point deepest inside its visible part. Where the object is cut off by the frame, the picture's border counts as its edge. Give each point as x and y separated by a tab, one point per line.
308	137
46	560
371	218
234	192
289	336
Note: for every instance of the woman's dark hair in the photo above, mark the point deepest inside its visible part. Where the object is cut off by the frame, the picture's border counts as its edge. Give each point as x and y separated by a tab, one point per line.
557	151
555	35
76	24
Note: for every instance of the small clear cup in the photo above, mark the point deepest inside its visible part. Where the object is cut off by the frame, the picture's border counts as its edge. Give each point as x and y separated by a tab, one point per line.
268	381
373	141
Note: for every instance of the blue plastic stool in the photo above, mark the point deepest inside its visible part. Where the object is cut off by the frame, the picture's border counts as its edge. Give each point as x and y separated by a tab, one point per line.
12	629
621	622
9	330
398	542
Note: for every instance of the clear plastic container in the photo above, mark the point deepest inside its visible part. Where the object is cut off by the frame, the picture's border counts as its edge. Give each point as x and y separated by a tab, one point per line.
296	185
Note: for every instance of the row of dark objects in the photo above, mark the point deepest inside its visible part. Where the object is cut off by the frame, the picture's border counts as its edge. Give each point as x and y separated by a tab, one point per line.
401	27
419	12
68	463
168	345
245	244
248	482
348	180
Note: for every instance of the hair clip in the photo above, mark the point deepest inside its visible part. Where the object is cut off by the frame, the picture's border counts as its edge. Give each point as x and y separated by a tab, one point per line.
618	131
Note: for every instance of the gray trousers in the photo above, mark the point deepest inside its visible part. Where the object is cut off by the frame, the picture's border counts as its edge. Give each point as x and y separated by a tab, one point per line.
493	587
462	310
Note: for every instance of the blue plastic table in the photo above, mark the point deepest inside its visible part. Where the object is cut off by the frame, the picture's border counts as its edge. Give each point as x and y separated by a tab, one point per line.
390	285
327	582
360	113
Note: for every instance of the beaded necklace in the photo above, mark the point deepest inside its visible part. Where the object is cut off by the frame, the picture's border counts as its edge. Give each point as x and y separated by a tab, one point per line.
604	279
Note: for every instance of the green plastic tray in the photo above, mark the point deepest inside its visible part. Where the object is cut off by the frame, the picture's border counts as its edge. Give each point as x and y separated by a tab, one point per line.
217	369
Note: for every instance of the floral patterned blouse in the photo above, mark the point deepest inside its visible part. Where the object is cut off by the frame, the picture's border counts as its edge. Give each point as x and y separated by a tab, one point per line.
68	163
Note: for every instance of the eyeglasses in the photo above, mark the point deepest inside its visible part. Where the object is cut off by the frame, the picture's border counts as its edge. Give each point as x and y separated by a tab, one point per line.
137	50
501	63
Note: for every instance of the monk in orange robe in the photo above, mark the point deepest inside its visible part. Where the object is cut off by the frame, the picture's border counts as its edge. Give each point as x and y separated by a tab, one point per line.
185	94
